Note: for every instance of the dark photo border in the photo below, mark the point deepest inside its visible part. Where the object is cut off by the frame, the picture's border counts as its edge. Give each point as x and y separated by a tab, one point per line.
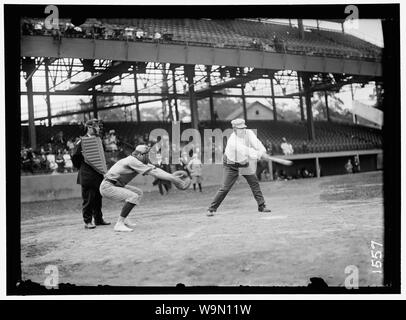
390	13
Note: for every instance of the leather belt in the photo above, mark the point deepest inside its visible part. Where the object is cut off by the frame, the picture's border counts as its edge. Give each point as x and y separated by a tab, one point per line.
111	181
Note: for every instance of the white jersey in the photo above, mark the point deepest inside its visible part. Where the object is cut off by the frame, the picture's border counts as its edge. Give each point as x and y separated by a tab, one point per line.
243	149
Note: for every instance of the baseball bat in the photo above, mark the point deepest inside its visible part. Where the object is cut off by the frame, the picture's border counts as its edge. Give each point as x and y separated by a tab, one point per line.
279	160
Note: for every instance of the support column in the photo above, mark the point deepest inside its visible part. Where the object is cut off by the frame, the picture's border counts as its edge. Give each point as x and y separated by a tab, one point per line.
317	168
211	102
31	122
302	115
327	109
137	102
244	105
190	74
48	96
354	116
275	114
309	111
301	29
175	95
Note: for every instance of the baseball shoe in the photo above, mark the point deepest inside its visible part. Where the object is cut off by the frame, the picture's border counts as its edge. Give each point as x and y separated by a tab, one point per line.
129	224
264	209
210	212
102	223
89	225
121	227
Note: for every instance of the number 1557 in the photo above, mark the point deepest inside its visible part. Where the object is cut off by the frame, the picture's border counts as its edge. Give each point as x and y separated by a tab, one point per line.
377	254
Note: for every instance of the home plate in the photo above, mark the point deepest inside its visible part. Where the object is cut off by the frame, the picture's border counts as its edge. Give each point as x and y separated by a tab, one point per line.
273	217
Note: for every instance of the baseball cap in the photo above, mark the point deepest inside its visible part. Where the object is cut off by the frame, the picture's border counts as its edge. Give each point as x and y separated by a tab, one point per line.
142	148
238	123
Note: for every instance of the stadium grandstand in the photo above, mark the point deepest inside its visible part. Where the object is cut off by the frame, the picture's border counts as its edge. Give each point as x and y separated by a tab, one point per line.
188	67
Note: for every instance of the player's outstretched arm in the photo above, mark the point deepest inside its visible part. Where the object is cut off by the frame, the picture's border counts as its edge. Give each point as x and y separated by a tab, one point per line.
161	174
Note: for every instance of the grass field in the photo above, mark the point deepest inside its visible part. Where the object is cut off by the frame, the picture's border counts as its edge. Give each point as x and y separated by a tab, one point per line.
317	227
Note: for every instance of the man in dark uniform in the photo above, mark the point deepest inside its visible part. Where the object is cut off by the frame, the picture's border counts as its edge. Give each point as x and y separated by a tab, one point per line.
90	181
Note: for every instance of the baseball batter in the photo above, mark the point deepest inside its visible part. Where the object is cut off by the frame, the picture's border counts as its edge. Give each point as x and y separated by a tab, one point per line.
242	151
115	183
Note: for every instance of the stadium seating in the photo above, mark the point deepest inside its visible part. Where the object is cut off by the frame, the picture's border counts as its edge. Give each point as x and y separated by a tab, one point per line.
330	136
232	33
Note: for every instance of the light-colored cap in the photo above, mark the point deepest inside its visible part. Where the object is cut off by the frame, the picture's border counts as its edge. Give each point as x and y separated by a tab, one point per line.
142	148
238	123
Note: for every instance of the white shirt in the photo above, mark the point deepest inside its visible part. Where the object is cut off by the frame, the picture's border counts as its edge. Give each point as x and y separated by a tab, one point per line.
286	148
244	149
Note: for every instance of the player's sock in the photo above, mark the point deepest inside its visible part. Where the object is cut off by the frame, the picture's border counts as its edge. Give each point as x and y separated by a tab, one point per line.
194	186
126	210
200	187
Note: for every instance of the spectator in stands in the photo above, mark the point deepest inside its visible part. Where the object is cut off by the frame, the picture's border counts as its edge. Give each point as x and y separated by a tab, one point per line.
56	34
60	161
36	162
27	29
44	164
278	44
348	166
38	28
52	164
50	148
70	146
111	142
68	161
305	148
69	29
283	175
298	174
42	150
355	165
157	36
129	33
268	146
58	141
139	34
286	147
26	161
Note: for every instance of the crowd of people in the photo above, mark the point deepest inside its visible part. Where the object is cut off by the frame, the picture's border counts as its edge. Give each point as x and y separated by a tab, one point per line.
94	29
352	165
53	158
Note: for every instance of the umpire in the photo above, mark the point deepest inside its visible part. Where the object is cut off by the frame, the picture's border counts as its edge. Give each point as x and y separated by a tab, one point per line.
90	181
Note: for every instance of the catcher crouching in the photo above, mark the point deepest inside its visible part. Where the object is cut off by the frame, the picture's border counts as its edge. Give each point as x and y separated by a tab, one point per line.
115	183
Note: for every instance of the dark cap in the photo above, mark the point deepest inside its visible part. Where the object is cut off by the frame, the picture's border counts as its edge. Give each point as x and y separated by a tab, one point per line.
92	122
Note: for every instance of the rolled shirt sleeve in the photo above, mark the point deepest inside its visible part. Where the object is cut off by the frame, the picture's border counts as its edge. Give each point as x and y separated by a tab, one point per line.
140	167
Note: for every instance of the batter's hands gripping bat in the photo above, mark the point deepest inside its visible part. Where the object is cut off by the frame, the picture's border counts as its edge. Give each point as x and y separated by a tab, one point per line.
278	160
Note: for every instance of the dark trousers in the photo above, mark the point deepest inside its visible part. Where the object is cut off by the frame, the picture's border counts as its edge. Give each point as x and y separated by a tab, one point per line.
230	176
92	203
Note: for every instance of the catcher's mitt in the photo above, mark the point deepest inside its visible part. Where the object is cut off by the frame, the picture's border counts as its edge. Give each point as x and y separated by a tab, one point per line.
186	181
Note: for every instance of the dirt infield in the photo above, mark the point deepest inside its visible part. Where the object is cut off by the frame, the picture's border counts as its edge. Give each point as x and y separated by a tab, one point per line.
317	228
